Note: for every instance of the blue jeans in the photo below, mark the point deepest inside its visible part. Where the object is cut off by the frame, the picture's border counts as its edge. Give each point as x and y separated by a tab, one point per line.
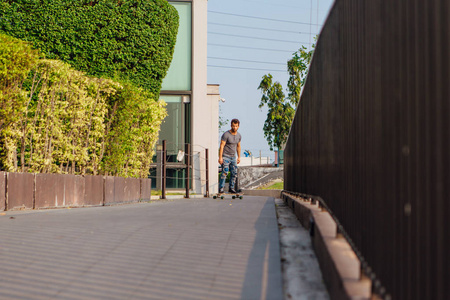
229	165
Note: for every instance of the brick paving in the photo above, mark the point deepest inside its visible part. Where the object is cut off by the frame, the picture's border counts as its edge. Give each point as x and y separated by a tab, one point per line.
175	249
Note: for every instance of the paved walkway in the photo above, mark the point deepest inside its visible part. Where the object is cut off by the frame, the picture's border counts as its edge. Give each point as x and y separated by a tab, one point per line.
180	249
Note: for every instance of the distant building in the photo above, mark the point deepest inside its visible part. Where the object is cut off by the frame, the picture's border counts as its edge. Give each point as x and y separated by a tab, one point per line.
192	105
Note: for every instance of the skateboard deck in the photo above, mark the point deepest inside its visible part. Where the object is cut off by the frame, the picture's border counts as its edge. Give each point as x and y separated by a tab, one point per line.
233	195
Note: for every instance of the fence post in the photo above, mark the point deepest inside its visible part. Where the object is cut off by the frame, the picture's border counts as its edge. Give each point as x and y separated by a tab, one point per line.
207	172
163	173
188	163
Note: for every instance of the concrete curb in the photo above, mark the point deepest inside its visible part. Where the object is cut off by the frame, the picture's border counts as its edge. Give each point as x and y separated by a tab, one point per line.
176	197
340	266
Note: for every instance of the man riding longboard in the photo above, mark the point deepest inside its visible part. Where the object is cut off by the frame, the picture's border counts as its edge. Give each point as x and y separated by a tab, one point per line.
230	145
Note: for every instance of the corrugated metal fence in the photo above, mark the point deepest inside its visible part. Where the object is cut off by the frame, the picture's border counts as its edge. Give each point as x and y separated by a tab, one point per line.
371	137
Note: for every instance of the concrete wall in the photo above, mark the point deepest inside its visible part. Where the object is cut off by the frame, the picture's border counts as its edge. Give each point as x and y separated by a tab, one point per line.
253	177
205	105
35	191
340	266
254	161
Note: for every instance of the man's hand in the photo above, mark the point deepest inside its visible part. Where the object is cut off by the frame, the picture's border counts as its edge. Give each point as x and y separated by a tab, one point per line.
222	145
238	150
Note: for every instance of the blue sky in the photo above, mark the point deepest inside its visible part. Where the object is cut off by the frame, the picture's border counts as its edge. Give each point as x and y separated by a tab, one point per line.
250	38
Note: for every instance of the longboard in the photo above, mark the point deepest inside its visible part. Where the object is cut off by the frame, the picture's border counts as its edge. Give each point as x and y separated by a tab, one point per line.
233	196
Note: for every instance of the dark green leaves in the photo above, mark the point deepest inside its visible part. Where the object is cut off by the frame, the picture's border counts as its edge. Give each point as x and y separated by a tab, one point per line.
281	109
129	39
280	112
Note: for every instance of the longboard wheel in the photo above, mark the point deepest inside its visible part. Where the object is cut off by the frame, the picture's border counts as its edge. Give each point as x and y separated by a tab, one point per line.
214	197
234	197
240	197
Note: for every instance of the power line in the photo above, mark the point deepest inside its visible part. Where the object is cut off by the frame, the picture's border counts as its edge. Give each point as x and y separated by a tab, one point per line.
282	5
266	29
241	68
260	18
274	4
252	61
252	48
251	37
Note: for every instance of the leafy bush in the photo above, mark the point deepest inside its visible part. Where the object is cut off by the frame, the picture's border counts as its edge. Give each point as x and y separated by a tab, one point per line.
16	60
67	122
62	126
135	123
128	39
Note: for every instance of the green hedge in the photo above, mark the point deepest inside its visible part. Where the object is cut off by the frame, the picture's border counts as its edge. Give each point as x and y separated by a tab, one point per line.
128	39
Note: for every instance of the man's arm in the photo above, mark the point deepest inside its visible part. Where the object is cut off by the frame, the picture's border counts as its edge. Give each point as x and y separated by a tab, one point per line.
222	144
238	150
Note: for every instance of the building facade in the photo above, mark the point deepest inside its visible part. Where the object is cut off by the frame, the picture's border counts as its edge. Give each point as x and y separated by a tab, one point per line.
192	106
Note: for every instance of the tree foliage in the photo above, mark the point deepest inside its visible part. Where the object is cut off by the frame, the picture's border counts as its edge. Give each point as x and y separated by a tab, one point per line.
280	112
298	67
67	122
132	40
16	60
281	109
132	132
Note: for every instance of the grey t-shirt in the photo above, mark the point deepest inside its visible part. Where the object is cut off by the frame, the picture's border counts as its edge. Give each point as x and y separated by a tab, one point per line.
231	143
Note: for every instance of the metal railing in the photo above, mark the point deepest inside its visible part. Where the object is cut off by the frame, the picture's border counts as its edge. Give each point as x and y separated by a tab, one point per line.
187	156
371	139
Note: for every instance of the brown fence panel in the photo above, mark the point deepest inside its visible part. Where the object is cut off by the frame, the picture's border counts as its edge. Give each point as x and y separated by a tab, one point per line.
126	189
371	138
28	191
93	190
109	189
74	190
119	189
132	190
50	191
122	190
58	190
146	189
20	191
2	191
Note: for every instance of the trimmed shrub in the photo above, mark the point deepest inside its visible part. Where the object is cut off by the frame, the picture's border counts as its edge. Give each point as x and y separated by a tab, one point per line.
128	39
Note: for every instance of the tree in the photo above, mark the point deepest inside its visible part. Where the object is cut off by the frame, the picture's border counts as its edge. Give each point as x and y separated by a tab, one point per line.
280	114
281	108
298	70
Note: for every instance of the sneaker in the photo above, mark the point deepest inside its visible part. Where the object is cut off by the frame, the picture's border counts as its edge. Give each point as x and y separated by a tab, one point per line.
232	191
221	191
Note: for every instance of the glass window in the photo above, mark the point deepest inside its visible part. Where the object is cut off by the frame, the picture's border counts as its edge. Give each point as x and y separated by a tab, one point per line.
178	77
176	178
173	127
